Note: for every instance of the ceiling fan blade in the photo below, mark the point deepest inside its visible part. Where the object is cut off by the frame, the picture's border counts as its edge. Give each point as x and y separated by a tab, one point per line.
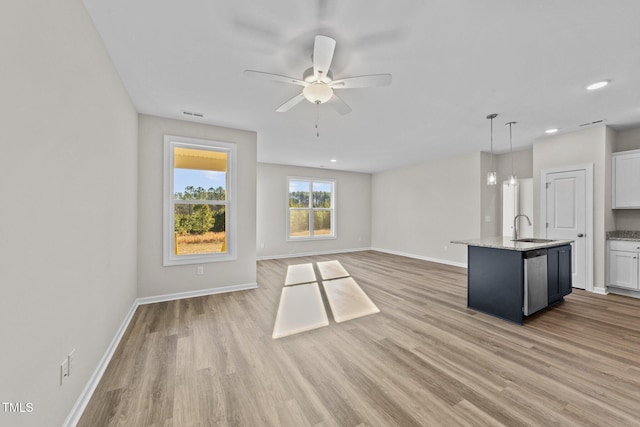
290	103
274	77
339	105
323	49
362	81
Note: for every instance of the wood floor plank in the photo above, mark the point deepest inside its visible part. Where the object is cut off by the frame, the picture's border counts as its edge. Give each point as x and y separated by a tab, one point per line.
425	359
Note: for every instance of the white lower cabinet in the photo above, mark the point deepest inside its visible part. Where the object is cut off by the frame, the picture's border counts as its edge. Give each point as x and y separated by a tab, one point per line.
624	264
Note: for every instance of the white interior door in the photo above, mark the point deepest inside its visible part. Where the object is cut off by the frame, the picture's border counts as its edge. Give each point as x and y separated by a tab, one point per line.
566	204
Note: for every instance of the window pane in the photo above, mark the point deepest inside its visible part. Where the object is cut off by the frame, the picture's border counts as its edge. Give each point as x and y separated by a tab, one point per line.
199	174
298	223
321	223
321	194
298	194
199	229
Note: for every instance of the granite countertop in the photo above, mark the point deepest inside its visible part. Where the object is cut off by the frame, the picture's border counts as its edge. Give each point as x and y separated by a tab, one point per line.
503	242
633	236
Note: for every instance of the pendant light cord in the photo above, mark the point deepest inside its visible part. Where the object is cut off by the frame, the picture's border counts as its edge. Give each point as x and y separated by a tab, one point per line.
511	145
513	177
491	176
491	117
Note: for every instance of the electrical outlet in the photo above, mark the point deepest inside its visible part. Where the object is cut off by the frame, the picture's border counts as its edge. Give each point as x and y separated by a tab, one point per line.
64	370
200	270
70	361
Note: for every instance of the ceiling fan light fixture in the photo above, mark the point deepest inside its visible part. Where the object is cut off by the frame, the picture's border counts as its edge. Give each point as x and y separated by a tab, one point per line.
317	93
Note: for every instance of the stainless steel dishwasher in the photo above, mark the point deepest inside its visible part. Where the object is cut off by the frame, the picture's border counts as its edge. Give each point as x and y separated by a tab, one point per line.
535	281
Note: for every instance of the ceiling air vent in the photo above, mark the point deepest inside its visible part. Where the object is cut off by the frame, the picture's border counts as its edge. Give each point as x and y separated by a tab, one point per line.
592	123
192	114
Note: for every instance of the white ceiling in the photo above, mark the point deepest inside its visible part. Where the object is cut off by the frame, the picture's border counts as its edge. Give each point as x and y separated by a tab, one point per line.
453	62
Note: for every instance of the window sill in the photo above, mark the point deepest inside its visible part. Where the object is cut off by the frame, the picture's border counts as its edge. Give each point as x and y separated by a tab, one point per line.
197	259
306	239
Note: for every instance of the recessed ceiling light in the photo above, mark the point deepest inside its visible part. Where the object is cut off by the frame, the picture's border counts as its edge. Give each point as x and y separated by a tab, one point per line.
598	85
333	160
552	130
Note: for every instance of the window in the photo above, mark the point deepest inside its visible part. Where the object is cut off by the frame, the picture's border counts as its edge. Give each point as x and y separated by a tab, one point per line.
311	208
199	208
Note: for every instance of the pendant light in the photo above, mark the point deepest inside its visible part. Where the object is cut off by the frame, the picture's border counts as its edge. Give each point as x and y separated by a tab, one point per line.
492	178
513	180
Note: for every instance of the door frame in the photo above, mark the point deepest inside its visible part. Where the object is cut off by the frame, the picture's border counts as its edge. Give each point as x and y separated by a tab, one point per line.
588	168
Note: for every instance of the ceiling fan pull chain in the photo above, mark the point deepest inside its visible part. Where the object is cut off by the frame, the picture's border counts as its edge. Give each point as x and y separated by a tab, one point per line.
317	119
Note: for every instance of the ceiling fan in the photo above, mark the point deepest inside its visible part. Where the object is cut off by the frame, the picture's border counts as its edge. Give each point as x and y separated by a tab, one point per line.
317	82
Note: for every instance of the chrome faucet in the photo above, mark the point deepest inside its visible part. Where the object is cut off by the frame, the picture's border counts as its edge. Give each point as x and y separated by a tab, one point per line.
515	225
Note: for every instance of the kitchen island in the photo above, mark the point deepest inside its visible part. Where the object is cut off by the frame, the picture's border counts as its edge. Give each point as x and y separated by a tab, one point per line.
513	279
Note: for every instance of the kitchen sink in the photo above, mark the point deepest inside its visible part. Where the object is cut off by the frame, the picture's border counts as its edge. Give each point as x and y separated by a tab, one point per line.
532	240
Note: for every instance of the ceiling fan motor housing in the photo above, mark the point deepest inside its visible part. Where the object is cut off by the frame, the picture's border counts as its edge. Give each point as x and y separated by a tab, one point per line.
308	76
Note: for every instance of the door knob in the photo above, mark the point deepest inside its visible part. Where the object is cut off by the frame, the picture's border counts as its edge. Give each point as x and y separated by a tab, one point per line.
580	235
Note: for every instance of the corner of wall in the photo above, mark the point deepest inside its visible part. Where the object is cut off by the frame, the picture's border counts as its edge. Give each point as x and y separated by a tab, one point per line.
155	279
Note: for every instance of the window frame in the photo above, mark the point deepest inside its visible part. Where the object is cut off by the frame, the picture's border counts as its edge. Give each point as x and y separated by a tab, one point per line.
311	209
169	258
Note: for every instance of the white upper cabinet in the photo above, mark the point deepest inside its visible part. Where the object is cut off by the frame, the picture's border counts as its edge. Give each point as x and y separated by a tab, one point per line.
626	180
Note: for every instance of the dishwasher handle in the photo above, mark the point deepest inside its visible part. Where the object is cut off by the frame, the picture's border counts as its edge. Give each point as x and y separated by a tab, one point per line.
534	254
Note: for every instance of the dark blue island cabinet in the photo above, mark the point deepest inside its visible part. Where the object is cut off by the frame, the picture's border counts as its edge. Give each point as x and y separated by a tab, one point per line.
496	279
559	272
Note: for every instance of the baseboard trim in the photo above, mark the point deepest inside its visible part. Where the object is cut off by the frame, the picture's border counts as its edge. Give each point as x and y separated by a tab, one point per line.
83	400
600	290
625	292
296	255
421	257
198	293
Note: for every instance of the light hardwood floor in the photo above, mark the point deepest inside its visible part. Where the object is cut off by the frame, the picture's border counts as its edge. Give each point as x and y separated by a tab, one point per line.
424	360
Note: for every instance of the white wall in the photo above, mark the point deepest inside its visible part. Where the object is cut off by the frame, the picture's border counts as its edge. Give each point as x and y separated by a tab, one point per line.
591	145
419	209
68	171
522	168
607	188
627	140
153	278
627	219
522	164
353	211
489	199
